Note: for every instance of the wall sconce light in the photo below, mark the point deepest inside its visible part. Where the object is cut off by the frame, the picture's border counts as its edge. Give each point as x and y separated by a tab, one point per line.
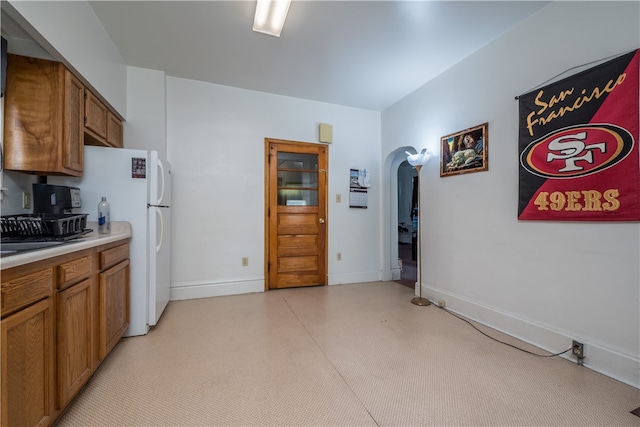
270	16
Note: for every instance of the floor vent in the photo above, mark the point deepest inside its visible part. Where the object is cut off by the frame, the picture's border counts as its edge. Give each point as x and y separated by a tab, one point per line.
636	412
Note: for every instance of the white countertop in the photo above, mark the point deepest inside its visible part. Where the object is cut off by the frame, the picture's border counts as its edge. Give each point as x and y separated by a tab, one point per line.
119	230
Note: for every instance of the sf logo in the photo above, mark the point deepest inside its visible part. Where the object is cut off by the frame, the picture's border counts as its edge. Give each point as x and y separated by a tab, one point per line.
572	149
577	150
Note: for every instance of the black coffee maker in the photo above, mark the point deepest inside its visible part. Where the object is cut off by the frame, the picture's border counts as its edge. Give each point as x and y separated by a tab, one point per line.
55	199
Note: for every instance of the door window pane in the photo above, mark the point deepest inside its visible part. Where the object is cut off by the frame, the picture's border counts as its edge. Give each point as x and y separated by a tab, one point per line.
297	161
297	179
297	197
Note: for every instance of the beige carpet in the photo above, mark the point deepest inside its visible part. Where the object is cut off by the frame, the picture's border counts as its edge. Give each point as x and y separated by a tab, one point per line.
349	355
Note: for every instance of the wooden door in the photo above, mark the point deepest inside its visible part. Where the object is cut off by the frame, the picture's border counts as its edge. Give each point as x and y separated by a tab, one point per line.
296	204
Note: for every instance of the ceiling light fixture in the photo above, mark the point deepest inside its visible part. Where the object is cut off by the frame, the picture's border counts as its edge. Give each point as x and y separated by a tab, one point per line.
270	16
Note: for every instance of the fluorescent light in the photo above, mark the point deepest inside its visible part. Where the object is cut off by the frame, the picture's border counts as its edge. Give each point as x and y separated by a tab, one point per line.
270	16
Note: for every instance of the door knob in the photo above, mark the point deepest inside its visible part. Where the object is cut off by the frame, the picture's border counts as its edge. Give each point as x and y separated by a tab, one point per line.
321	220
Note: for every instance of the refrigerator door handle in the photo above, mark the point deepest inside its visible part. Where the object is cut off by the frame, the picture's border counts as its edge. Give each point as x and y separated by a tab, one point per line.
161	167
159	245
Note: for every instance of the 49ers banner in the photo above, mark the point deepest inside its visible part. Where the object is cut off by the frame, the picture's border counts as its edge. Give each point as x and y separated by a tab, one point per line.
578	144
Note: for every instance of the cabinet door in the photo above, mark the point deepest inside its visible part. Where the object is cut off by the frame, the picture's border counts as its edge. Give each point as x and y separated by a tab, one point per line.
95	116
114	131
73	140
114	306
27	366
43	118
74	340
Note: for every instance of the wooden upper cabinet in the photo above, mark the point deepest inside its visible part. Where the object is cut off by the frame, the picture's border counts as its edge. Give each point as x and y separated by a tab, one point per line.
44	114
101	125
73	147
49	115
114	131
95	116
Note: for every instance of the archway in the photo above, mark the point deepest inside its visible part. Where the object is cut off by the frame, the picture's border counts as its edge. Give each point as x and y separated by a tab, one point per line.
407	223
391	268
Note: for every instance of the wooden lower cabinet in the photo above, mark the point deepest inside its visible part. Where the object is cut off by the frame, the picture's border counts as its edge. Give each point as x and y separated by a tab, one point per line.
28	366
114	306
60	318
74	330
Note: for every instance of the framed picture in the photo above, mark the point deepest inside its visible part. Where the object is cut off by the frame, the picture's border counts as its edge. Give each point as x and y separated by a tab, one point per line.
465	151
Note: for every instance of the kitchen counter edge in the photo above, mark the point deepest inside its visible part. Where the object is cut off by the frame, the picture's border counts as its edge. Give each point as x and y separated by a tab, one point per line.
120	230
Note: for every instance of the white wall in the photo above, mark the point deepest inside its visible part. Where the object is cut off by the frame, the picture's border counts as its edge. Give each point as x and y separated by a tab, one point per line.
146	125
77	37
70	32
545	282
215	137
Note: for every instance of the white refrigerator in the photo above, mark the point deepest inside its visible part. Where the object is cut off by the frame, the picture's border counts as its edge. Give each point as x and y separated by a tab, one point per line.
137	185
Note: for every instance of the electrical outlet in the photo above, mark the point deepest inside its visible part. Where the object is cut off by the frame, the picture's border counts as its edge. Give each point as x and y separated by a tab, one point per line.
26	200
577	349
442	304
339	256
245	261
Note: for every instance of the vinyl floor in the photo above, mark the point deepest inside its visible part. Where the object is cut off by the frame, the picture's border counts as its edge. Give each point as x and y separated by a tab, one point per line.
346	355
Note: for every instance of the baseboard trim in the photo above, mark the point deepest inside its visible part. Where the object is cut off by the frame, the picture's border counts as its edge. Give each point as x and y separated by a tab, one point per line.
610	362
359	277
194	290
206	289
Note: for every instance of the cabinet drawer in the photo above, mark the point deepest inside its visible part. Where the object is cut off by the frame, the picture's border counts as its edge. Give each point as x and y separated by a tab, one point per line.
24	290
112	256
73	271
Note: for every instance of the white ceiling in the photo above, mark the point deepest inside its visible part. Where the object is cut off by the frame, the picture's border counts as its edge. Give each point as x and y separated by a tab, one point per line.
364	54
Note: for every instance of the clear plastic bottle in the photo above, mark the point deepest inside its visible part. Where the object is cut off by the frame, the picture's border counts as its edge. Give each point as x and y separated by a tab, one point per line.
104	217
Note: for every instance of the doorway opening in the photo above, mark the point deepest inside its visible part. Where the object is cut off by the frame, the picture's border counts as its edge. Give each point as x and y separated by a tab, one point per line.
407	224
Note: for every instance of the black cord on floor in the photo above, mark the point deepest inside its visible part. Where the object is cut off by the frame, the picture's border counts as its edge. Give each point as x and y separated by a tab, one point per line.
501	342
